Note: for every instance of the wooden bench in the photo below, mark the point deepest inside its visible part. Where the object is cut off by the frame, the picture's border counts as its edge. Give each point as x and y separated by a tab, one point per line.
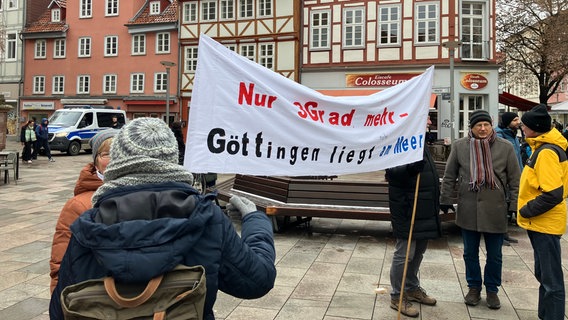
283	198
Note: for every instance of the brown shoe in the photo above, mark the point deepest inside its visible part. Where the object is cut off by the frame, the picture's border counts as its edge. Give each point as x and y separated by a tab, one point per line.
419	295
473	296
407	308
493	300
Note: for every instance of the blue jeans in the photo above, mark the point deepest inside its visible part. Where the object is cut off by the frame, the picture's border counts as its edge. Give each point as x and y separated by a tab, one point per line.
415	256
548	272
493	264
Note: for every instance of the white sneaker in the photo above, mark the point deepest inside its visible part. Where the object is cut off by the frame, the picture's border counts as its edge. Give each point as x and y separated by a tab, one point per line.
29	161
51	160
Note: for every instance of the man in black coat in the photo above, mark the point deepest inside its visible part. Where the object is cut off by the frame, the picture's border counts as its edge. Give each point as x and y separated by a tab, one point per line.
402	188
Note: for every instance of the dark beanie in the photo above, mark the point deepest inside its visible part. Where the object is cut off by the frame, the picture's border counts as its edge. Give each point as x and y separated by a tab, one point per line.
507	117
479	115
538	119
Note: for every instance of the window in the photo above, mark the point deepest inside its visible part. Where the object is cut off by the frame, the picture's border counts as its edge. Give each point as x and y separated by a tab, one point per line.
389	25
85	9
247	51
189	12
473	33
232	47
11	47
11	4
163	42
59	48
319	29
265	8
160	82
39	84
111	8
137	83
111	46
190	59
83	84
426	23
40	49
227	9
155	7
353	27
55	15
109	83
84	47
58	85
266	55
138	44
246	8
209	10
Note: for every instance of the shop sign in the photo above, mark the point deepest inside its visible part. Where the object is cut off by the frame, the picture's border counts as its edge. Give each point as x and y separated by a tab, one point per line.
474	81
378	79
38	105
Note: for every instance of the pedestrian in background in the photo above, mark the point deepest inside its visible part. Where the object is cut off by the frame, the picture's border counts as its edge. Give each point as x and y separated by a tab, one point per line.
507	129
542	208
176	129
484	169
28	140
146	210
90	179
402	191
42	133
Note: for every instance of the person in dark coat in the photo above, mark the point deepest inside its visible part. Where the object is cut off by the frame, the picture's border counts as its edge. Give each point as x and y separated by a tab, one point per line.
147	219
484	170
176	129
402	188
28	139
42	133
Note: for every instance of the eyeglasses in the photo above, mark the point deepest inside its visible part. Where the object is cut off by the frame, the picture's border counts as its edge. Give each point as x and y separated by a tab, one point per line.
104	155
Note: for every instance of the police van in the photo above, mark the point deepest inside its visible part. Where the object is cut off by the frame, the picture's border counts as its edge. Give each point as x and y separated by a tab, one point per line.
71	128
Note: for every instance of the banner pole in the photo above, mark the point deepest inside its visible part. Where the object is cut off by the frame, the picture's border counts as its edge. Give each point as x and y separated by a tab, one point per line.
408	246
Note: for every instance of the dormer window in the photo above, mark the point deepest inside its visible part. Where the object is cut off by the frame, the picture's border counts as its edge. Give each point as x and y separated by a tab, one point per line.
55	15
155	7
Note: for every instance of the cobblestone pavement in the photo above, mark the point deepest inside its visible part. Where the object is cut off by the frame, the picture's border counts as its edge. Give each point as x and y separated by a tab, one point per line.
329	270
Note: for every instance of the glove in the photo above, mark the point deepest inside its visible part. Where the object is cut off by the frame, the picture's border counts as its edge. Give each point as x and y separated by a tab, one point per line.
446	207
241	205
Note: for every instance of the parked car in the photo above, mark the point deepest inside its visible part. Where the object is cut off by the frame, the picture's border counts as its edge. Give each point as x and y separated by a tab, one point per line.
71	128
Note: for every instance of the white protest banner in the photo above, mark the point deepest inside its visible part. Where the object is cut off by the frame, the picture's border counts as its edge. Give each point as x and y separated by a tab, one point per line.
247	119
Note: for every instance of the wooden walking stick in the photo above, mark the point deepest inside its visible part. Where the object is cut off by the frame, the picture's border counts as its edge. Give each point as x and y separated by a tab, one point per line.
408	246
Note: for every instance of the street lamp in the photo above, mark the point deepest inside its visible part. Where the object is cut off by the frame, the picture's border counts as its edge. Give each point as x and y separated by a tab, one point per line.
451	46
168	65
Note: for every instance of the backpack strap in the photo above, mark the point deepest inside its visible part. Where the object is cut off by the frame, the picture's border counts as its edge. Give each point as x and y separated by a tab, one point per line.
561	153
110	287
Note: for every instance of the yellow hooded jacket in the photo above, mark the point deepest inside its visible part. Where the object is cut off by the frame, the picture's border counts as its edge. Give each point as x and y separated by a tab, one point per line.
544	186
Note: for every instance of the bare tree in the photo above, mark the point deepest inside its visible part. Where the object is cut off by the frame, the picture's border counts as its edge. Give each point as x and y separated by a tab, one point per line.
533	36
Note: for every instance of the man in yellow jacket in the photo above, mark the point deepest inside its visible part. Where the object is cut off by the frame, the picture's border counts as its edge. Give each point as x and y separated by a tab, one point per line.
542	209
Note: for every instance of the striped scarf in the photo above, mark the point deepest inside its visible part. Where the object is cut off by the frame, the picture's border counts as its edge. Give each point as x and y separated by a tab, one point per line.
480	163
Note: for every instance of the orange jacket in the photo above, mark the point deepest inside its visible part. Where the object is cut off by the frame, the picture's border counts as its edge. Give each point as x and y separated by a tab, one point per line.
86	185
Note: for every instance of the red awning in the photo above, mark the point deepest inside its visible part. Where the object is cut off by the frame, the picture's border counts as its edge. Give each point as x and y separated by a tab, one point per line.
342	93
512	100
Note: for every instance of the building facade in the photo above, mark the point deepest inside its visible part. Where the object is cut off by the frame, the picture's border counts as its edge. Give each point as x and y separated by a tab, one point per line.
102	53
12	18
265	31
350	46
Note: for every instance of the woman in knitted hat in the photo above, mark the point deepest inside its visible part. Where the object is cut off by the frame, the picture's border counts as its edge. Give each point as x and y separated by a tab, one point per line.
481	167
147	211
90	179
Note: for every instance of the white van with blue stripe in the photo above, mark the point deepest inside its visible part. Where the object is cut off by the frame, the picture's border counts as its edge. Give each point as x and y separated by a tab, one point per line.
71	128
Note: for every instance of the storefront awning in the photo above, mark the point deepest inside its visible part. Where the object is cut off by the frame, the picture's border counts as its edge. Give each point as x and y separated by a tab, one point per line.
342	93
512	100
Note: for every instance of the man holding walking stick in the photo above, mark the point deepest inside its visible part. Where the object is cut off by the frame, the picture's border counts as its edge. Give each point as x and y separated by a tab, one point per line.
425	225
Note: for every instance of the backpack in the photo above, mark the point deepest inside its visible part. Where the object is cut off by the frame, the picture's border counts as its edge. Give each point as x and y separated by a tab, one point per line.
177	294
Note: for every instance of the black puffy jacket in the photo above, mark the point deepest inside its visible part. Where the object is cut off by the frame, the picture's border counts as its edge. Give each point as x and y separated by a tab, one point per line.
402	187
